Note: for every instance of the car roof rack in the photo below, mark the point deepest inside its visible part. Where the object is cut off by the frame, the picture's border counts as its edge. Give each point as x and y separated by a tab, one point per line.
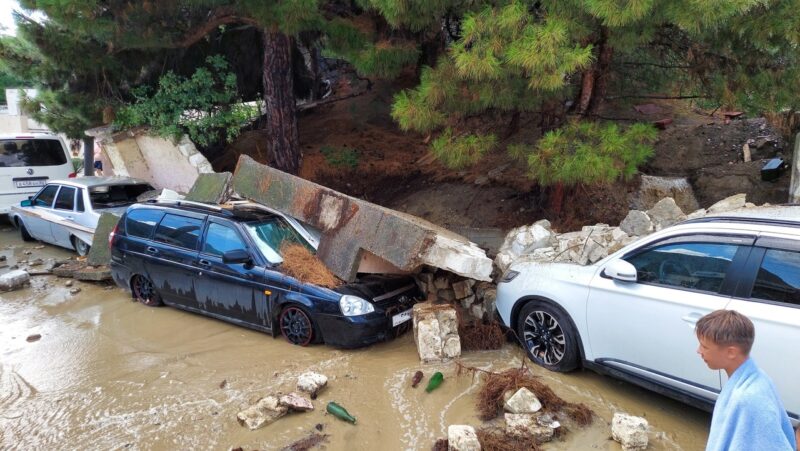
192	204
746	220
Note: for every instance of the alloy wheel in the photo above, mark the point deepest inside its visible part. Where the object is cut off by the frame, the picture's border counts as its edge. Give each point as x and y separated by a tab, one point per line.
544	337
296	326
144	291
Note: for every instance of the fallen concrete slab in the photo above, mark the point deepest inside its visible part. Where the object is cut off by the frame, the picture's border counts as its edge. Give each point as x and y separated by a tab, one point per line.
100	254
210	188
351	227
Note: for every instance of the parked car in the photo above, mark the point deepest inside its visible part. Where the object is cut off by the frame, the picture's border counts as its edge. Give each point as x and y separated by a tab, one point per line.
226	263
632	314
65	212
27	163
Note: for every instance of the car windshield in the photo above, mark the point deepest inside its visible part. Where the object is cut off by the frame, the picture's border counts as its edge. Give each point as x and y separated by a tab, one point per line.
271	234
110	196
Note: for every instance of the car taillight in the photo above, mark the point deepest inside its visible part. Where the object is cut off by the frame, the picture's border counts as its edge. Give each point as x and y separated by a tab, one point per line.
73	175
112	235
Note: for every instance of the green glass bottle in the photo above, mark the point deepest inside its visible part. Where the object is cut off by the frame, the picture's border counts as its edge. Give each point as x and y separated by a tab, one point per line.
435	381
340	412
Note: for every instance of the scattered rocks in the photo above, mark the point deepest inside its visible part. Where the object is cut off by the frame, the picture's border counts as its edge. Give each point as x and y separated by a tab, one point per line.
523	401
311	383
524	424
729	203
436	332
34	337
69	283
75	290
296	402
462	438
523	240
629	431
13	280
267	410
637	223
665	213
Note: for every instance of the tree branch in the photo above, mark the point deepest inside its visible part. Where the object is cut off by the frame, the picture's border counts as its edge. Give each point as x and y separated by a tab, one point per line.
656	97
665	66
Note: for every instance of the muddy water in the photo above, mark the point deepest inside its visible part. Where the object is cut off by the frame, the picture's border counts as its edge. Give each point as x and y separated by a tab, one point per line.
109	373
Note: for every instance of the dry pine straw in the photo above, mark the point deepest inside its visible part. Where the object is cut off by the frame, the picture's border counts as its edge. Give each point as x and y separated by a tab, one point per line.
306	267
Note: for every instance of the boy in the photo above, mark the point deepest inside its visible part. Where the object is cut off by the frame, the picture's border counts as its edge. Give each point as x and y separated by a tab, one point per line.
748	414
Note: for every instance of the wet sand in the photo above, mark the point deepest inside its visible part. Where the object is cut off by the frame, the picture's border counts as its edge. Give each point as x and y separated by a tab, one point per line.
109	373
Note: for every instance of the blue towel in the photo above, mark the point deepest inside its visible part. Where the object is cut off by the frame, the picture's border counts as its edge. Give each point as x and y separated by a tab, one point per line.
749	415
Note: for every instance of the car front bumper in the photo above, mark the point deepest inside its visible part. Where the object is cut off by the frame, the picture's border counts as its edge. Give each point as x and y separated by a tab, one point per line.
358	331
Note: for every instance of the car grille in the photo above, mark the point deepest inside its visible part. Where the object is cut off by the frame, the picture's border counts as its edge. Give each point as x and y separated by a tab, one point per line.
398	301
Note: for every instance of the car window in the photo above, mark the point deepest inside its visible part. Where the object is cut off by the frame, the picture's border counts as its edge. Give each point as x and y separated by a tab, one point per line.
179	231
80	201
270	235
110	196
46	196
698	266
221	239
778	277
141	222
66	198
15	153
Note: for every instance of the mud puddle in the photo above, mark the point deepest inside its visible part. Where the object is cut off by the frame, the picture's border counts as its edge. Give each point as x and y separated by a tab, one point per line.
108	373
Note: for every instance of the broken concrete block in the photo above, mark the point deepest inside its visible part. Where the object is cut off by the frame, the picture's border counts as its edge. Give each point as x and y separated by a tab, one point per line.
296	402
441	283
352	226
729	203
524	424
629	431
448	321
452	347
477	310
13	280
462	438
99	253
523	401
264	412
436	332
446	295
210	188
462	289
311	382
429	341
468	301
666	213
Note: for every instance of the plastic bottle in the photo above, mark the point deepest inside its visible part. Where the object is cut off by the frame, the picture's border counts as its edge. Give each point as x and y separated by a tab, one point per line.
435	381
340	412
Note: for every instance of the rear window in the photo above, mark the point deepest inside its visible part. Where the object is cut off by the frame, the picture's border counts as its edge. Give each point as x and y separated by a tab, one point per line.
179	231
110	196
31	152
141	222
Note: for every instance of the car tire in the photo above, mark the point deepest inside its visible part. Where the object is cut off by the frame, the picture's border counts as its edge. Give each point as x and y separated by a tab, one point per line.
80	247
296	326
24	231
144	291
548	336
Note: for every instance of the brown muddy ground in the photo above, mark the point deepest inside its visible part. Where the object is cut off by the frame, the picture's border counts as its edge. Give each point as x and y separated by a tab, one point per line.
108	373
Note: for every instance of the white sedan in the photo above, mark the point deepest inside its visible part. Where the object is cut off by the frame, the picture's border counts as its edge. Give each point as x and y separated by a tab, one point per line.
632	314
65	212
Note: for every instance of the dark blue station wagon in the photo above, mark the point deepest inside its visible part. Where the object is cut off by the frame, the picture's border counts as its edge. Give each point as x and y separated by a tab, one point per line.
225	263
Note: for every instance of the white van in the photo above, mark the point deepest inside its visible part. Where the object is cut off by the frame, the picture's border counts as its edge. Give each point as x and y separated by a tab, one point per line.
27	163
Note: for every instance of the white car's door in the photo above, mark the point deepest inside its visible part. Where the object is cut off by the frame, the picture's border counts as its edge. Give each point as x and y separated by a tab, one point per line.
774	307
647	327
38	223
64	210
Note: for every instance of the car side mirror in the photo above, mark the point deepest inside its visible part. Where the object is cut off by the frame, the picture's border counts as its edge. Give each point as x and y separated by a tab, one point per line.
236	256
26	203
621	270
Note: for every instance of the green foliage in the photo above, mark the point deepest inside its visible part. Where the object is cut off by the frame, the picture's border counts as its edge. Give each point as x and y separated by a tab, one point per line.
458	152
588	152
340	157
204	106
369	54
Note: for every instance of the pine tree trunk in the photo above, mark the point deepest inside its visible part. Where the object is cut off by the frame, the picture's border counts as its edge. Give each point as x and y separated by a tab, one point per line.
594	83
281	121
556	199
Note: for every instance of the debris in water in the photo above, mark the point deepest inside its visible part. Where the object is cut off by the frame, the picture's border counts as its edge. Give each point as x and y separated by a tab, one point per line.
340	412
416	379
75	290
477	336
224	383
434	382
496	439
32	338
310	441
319	426
441	445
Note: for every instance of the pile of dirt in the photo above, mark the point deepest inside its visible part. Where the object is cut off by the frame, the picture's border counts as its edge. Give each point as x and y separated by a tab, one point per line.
303	265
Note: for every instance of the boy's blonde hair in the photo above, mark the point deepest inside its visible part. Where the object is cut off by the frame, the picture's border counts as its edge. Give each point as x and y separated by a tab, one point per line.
727	328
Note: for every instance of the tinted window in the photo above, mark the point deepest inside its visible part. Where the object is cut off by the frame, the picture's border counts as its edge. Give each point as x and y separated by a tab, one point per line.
31	152
179	231
779	277
66	198
141	222
46	196
116	195
698	266
220	239
80	201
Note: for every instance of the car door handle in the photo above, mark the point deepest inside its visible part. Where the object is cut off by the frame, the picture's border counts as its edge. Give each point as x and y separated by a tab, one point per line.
70	218
204	262
152	250
692	318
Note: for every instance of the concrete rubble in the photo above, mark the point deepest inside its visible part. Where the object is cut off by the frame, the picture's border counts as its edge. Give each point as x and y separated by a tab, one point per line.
14	279
267	410
475	297
436	332
522	401
296	402
525	424
353	229
462	438
629	431
593	243
311	383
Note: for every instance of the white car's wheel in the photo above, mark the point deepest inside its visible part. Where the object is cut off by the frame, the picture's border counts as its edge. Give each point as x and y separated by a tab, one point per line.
23	231
547	335
80	247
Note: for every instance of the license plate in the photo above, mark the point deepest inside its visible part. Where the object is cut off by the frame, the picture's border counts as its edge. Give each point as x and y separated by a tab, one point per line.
29	183
401	317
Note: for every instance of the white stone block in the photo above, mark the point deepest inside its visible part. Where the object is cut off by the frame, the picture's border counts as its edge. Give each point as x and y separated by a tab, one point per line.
629	431
311	382
462	438
523	401
525	424
13	280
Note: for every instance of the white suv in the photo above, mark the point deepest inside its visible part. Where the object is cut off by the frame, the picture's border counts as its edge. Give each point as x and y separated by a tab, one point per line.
632	314
27	163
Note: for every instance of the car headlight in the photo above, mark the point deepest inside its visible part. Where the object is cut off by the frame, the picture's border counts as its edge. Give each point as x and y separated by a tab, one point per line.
354	306
509	276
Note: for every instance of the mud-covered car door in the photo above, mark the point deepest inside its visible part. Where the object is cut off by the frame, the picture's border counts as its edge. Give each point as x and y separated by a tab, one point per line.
232	290
171	258
41	207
